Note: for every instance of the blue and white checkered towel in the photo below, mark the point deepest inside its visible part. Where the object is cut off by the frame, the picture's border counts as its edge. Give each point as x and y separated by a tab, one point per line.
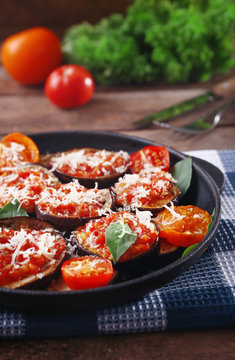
202	297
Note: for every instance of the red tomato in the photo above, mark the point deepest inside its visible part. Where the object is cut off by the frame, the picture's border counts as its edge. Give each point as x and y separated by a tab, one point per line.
29	153
187	229
69	86
29	56
87	272
151	155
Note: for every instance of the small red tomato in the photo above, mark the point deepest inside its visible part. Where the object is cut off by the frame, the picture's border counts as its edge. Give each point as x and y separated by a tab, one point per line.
157	156
69	86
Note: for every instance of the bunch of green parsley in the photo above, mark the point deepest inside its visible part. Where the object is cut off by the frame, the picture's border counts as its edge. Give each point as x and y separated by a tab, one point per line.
171	41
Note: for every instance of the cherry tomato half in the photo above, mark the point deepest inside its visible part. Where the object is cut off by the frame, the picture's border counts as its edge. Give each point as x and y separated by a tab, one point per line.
157	156
29	152
29	56
189	228
87	272
69	86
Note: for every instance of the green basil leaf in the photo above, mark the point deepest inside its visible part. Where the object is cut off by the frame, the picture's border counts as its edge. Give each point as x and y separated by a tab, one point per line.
119	237
212	218
12	209
188	249
182	172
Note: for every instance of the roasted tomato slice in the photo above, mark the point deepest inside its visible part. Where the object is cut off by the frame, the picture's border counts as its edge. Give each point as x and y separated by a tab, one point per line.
183	226
17	148
87	272
150	156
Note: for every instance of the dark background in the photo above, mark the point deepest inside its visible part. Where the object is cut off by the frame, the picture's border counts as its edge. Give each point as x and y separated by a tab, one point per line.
55	14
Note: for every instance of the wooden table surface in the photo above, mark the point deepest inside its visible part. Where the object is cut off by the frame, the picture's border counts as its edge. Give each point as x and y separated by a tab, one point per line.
26	109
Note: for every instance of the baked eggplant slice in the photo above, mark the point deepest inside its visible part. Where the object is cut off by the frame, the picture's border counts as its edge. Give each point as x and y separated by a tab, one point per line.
70	205
90	166
145	191
31	252
25	183
91	239
165	247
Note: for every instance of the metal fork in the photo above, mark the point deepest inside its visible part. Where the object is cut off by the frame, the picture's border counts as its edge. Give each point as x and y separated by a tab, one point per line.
201	124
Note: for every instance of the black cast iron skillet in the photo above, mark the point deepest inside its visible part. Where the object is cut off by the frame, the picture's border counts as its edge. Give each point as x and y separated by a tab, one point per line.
203	192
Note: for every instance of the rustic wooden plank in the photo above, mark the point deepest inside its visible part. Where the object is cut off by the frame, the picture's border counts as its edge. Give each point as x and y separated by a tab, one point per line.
115	110
112	111
220	138
190	345
10	87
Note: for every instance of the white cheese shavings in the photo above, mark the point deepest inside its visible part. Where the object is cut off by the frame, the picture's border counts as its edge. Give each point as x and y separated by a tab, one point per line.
87	266
175	215
137	222
75	194
139	187
41	244
80	160
145	218
10	178
40	275
150	169
20	187
13	152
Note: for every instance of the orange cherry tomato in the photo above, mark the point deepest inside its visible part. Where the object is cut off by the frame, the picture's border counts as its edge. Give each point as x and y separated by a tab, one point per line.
28	153
156	156
189	228
29	56
87	272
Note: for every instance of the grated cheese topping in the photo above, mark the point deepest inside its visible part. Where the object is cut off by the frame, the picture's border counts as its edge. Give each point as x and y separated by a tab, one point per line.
150	169
24	244
175	215
103	162
87	266
145	218
24	185
12	153
141	218
134	189
92	234
56	200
